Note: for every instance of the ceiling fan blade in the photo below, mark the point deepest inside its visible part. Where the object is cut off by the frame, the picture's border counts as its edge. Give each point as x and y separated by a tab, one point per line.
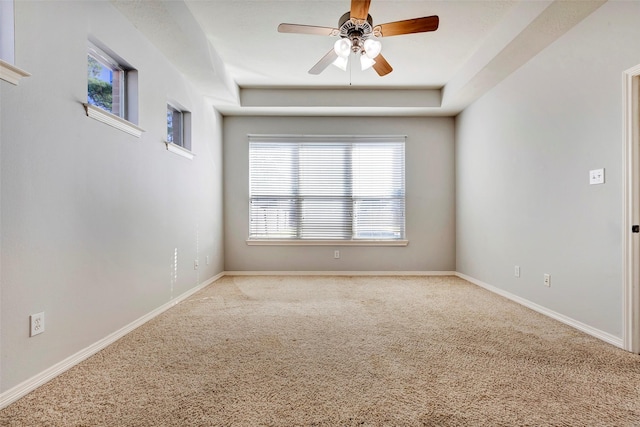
360	9
324	62
410	26
381	66
308	29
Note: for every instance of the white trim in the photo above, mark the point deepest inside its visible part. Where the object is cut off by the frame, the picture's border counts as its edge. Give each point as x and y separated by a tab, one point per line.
112	120
103	58
631	241
181	151
604	336
340	273
11	73
253	137
43	377
302	242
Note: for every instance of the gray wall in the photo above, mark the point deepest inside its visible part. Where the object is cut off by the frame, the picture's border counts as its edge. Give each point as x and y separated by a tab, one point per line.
524	152
430	208
90	215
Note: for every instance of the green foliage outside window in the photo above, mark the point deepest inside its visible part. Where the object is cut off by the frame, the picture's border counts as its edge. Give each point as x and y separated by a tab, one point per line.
100	92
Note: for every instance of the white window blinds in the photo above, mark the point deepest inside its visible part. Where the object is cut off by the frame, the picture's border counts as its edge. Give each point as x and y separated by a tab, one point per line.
326	187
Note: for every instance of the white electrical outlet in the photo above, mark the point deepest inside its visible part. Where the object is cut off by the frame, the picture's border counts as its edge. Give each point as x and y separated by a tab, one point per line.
208	260
36	323
596	176
517	271
336	254
195	264
547	280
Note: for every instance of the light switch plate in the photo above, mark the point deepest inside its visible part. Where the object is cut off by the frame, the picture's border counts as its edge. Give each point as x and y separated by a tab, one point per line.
596	176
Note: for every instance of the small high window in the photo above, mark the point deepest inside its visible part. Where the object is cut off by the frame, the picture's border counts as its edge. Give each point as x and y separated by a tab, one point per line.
8	70
178	127
112	91
7	44
106	82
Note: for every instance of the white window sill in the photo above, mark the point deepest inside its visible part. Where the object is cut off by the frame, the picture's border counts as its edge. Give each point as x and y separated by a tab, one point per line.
291	242
11	73
112	120
180	151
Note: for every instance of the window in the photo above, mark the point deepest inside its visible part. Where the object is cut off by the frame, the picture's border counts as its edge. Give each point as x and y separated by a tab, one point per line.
179	127
179	131
320	188
106	82
7	44
112	91
8	71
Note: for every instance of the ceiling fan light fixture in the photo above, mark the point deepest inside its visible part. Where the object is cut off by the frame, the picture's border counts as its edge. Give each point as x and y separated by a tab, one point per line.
366	62
342	47
372	48
341	62
358	35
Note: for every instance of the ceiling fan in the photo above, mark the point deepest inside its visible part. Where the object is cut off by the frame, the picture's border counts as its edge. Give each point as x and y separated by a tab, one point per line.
358	35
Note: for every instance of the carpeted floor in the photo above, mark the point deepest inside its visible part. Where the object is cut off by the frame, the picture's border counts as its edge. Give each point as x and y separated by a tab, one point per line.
344	351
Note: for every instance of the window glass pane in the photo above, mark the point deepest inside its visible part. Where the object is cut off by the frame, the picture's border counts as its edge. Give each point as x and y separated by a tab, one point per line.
272	170
169	124
378	219
175	126
105	87
377	171
273	218
324	170
7	31
325	218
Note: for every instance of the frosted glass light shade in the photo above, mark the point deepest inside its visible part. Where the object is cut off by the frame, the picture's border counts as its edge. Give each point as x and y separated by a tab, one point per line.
342	47
372	48
366	62
341	62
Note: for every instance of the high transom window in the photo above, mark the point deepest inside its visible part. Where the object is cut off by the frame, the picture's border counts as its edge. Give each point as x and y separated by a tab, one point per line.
326	188
106	82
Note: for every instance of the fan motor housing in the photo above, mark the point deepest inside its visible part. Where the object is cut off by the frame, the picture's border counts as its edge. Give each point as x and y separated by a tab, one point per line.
356	30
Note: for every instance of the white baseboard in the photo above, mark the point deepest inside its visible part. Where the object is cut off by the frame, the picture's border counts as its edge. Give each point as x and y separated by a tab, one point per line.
340	273
597	333
22	389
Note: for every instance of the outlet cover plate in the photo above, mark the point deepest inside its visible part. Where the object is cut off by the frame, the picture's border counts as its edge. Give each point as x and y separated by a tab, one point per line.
36	324
596	176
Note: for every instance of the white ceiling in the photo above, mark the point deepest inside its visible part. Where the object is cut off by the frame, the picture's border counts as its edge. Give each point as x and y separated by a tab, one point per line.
233	51
245	35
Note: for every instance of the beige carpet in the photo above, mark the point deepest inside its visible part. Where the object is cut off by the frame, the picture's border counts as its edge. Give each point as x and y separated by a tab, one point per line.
344	351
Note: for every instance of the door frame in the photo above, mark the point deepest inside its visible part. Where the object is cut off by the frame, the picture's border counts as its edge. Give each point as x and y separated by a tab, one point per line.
631	192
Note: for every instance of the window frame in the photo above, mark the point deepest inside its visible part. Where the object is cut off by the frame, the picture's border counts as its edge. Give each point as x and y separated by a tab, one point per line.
350	140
